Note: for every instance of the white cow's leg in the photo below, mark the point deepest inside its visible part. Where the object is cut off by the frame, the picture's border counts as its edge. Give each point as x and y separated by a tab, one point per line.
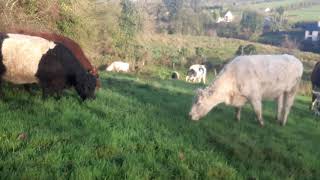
288	102
279	108
193	80
257	107
204	79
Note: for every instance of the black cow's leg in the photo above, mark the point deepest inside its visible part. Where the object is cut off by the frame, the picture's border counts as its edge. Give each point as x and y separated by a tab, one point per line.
1	91
45	88
2	71
52	87
27	87
58	94
59	84
45	93
2	66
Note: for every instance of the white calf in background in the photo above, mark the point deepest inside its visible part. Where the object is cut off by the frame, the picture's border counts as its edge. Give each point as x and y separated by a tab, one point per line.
118	66
197	73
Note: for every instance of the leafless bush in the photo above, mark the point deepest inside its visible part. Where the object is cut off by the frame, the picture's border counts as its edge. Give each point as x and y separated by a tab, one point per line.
289	44
305	88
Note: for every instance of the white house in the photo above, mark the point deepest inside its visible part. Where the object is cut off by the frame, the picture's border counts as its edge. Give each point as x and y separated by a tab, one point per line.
312	31
228	17
267	10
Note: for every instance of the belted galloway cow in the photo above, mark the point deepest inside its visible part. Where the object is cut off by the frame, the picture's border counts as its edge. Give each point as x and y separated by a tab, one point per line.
26	59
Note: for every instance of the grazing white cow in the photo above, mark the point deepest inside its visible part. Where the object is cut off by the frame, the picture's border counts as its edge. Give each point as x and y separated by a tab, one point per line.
197	73
253	78
118	66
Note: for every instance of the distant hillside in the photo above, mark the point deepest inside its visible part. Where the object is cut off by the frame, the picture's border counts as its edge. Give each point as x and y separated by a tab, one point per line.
217	48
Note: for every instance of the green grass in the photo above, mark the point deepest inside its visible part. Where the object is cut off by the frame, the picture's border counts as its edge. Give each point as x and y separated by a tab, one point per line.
272	4
311	13
304	14
137	128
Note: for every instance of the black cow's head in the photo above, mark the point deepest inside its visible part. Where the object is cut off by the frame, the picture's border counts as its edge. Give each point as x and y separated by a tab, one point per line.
85	86
192	73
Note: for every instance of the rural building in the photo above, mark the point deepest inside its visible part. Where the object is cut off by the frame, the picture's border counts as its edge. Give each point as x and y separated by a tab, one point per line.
228	17
312	31
267	10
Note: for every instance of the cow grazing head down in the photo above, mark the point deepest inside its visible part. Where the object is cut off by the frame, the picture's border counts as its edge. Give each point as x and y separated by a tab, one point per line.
85	86
252	79
68	43
203	103
30	59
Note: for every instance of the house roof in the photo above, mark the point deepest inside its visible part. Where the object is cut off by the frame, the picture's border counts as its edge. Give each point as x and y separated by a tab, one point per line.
228	13
312	27
308	26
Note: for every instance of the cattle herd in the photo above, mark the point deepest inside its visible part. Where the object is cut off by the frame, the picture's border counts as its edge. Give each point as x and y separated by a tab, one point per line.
56	62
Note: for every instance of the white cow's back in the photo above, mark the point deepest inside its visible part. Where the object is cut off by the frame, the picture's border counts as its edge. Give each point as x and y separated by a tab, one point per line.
270	73
118	66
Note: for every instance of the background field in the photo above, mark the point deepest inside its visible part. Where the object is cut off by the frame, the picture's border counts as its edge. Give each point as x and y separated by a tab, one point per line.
304	14
272	4
137	128
296	14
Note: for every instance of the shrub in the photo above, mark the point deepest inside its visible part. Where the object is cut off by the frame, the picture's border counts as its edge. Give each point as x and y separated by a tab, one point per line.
229	30
252	21
246	50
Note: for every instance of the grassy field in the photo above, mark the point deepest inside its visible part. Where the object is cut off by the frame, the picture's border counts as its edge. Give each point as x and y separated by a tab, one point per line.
138	128
311	13
304	14
271	4
216	47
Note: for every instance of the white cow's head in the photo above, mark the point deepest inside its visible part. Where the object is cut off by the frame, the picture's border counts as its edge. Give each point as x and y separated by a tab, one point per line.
203	103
